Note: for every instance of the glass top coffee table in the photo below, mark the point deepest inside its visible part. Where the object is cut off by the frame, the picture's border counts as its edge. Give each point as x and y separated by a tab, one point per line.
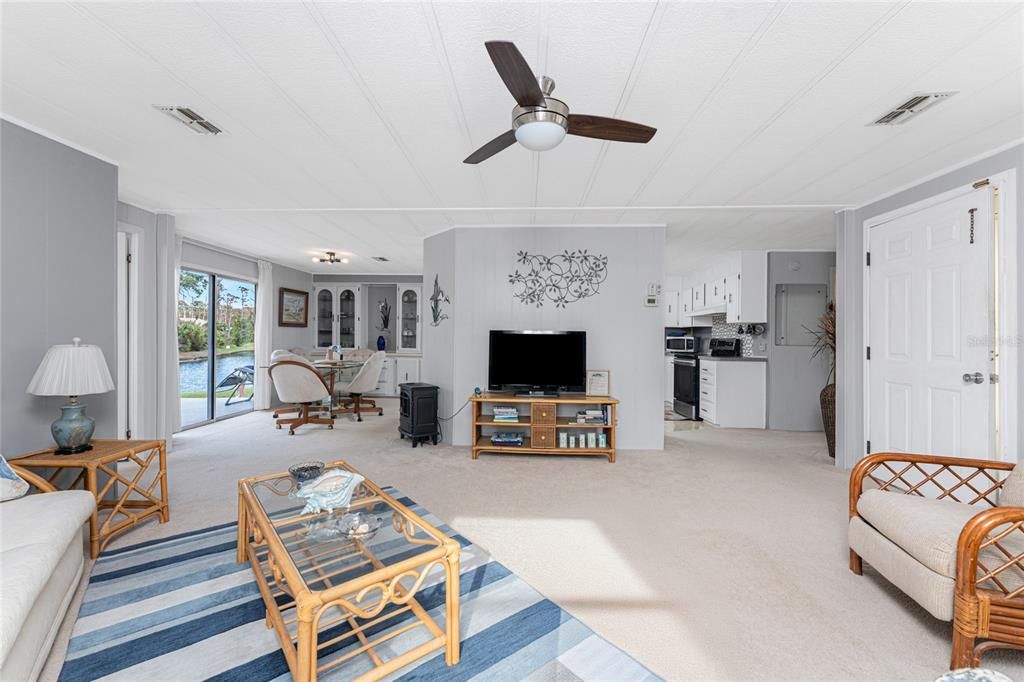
335	589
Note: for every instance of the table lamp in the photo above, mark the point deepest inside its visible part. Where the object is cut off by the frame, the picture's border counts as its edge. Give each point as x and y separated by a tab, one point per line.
72	370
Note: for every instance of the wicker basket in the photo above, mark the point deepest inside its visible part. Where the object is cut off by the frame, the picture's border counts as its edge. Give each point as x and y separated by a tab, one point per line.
828	417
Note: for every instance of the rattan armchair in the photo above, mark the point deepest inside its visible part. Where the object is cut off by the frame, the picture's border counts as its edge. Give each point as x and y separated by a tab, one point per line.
988	592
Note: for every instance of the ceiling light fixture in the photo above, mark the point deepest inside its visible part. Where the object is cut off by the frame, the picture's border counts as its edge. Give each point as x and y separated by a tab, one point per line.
329	257
541	128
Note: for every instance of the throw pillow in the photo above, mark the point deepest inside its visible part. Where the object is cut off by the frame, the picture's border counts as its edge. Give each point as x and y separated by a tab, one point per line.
11	484
1012	492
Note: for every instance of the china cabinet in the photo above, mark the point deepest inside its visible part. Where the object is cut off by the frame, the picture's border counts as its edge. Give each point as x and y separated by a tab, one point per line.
338	316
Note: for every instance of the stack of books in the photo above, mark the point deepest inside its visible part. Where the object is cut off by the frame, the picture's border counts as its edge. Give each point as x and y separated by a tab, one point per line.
595	416
507	439
507	415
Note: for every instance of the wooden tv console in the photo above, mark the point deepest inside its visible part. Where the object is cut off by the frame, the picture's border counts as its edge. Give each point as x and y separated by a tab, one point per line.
541	422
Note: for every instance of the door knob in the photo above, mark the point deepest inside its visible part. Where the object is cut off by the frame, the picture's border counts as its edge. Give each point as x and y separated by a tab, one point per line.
976	378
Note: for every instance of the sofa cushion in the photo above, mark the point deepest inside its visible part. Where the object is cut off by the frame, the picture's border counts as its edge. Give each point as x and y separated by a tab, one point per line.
932	591
1012	492
929	530
35	532
924	528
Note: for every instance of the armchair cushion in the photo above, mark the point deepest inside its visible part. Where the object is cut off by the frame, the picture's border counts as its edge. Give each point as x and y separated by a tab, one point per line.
926	529
1012	492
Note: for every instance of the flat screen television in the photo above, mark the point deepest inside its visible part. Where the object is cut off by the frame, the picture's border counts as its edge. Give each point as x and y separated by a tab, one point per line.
537	361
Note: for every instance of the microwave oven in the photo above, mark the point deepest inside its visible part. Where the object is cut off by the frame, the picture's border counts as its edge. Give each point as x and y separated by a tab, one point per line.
680	344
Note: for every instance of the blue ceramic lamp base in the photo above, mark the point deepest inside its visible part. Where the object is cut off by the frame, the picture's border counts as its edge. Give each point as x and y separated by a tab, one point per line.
73	430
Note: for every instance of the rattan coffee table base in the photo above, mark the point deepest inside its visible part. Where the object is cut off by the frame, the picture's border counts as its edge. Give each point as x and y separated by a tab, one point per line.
378	605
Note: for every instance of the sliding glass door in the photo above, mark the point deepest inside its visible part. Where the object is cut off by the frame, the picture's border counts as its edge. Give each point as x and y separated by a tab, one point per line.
216	323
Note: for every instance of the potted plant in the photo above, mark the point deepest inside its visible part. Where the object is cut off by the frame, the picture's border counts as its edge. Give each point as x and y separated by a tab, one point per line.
825	343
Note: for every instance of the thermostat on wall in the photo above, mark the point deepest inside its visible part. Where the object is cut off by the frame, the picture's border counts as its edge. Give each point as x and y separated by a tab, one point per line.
651	297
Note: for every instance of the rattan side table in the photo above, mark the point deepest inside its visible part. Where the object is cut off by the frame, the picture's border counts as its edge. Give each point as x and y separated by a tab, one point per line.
139	499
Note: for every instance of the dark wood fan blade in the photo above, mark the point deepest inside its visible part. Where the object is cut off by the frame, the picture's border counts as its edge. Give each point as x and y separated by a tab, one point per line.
503	141
609	128
516	73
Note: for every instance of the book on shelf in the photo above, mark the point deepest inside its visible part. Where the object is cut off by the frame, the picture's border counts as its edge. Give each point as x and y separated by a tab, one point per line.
508	415
507	438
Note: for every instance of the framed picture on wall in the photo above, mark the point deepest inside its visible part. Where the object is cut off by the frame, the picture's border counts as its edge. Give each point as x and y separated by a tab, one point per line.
598	382
292	308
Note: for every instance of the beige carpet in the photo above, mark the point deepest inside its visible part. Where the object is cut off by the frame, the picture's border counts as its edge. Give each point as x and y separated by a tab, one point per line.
722	557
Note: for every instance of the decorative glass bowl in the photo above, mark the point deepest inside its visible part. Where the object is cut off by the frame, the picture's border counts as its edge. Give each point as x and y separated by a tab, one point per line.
359	525
306	471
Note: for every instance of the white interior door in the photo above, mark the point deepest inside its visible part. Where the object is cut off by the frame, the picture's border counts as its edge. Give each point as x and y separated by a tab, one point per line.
930	313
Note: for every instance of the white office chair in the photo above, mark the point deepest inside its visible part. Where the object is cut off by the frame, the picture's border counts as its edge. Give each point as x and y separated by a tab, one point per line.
299	383
283	354
365	381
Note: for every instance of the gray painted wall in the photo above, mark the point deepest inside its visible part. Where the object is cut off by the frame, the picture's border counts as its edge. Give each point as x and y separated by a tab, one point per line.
850	283
623	335
290	337
795	379
58	276
438	364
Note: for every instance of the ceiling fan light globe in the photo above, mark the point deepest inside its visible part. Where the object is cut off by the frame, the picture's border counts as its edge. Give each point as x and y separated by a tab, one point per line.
540	136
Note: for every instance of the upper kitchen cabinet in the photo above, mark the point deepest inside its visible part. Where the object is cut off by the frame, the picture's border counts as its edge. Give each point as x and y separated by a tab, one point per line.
736	285
746	288
670	305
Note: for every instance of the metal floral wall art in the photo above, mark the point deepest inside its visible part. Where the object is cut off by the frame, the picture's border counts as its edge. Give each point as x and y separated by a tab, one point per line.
436	299
565	278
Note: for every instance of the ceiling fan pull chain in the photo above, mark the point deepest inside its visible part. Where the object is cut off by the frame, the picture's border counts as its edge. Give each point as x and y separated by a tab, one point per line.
971	211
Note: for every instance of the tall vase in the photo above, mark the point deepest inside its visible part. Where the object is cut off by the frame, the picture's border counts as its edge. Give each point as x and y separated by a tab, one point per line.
828	417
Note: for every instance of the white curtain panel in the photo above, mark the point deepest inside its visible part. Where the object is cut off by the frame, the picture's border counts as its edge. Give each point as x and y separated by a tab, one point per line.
168	272
263	333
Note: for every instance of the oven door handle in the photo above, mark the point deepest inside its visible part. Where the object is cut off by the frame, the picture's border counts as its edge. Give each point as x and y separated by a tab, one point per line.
688	363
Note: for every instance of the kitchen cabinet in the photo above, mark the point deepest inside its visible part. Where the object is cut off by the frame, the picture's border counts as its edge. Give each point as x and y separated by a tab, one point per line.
337	316
733	393
698	298
715	292
747	288
670	306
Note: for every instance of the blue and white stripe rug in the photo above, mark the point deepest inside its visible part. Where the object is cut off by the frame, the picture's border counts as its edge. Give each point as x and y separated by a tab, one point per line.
180	608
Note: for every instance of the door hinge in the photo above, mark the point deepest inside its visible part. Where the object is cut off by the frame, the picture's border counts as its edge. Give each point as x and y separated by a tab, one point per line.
993	378
869	352
129	258
972	211
868	259
980	183
128	434
867	450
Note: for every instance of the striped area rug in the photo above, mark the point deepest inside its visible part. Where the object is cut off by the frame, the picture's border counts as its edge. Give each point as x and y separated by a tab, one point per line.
180	608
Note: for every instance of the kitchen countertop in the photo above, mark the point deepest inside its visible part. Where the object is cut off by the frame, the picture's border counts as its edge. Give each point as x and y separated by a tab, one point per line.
742	358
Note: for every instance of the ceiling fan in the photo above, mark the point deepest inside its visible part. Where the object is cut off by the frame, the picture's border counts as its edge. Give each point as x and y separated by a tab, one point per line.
539	121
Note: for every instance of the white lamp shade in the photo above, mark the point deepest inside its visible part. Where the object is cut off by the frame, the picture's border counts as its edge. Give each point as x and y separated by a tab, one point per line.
72	369
540	136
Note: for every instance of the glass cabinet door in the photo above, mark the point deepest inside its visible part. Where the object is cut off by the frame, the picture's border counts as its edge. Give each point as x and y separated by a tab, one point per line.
324	318
409	337
347	318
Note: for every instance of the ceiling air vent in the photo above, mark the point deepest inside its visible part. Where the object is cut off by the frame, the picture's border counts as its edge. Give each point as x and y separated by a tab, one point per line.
911	108
195	121
380	259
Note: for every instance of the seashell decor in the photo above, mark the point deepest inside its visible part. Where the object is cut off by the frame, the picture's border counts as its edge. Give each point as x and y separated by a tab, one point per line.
331	490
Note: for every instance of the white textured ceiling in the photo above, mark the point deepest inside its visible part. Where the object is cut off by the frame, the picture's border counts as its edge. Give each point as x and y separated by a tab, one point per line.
347	122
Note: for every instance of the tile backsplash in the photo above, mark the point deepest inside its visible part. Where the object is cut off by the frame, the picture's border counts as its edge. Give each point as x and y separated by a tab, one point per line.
722	329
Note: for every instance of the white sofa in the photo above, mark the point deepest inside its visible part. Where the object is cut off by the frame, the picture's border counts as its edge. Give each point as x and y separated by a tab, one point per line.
42	553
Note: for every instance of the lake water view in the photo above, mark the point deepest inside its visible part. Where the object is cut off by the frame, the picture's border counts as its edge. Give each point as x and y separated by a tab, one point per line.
192	373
